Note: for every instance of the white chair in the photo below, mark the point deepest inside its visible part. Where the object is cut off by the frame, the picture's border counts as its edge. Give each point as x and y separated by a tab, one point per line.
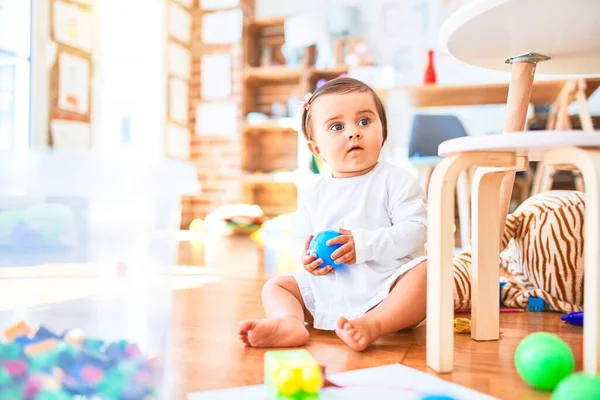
550	36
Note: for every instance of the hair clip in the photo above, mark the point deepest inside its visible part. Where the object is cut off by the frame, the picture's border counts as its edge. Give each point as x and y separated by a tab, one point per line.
307	97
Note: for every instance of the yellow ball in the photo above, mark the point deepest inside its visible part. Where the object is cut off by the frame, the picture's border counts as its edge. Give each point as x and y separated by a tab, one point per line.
287	382
312	379
197	225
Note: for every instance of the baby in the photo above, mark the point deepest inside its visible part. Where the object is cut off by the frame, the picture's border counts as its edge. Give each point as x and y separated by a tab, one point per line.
379	283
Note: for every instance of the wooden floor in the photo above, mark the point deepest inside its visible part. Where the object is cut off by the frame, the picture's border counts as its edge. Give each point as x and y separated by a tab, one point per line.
209	356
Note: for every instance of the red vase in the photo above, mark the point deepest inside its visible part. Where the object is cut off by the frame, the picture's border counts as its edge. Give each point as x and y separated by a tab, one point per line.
430	77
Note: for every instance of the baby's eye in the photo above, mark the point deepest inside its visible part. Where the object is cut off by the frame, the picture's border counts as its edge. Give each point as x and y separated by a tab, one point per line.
364	122
336	127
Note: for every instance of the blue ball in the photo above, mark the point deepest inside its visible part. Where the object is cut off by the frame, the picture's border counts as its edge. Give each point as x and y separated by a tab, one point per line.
437	397
318	246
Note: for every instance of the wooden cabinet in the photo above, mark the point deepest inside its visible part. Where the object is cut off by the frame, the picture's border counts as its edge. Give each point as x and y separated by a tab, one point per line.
274	88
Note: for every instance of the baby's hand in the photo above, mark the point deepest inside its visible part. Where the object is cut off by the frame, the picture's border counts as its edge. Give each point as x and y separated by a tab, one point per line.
347	253
311	264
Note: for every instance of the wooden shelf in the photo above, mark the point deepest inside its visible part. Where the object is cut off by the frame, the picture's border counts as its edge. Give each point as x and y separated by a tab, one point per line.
543	92
260	23
269	126
284	73
328	73
272	74
273	144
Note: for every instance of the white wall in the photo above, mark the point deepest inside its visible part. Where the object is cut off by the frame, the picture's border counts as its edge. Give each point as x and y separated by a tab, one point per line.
399	33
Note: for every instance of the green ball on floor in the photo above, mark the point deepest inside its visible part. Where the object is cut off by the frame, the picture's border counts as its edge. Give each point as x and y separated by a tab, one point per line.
543	359
578	386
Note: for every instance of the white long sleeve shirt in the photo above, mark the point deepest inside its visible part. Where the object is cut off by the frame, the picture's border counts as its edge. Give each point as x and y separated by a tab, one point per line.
386	211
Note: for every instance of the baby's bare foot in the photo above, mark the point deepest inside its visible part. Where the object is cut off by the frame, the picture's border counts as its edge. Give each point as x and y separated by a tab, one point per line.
273	332
359	333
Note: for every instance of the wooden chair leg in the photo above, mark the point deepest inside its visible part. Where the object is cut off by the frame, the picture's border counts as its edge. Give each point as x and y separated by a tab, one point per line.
584	111
588	162
485	308
425	177
464	210
548	179
579	185
517	102
538	179
440	339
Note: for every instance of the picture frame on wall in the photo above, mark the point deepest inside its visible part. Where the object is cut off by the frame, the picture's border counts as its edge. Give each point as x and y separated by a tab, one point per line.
72	25
73	83
180	23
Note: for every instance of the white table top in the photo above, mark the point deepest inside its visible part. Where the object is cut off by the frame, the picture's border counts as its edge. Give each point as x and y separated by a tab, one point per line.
486	32
531	144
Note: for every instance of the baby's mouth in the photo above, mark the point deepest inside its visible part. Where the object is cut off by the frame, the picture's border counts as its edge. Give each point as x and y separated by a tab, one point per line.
355	148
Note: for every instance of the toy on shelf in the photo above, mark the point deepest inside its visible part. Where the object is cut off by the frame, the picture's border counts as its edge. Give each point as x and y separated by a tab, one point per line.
235	219
430	75
536	304
318	246
292	374
40	364
574	318
543	359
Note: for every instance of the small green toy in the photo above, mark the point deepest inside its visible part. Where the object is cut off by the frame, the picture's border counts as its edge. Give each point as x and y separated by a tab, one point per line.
543	359
578	386
292	374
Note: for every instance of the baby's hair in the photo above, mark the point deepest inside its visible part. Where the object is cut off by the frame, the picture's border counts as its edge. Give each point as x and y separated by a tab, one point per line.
342	86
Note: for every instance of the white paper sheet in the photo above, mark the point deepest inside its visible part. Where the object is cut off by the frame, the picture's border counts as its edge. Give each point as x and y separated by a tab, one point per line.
178	141
217	118
73	83
223	27
178	100
180	23
391	382
179	61
72	135
72	25
216	76
210	5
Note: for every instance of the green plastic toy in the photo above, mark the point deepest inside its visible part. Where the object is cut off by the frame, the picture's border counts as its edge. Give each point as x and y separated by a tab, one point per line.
292	374
578	386
543	360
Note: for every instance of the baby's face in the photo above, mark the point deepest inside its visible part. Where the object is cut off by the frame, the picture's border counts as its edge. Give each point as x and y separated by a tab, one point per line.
346	132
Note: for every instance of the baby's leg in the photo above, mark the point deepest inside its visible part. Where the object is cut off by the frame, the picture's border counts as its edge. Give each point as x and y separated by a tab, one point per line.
405	307
284	325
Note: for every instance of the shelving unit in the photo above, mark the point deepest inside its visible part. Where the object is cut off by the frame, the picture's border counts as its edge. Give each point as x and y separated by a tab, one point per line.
274	145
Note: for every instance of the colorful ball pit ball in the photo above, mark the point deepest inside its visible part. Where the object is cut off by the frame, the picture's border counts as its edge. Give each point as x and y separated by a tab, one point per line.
318	246
543	360
578	386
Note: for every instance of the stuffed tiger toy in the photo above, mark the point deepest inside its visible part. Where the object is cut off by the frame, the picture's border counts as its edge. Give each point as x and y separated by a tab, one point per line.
542	254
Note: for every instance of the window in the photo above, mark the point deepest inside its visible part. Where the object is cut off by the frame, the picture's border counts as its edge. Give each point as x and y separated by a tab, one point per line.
15	72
